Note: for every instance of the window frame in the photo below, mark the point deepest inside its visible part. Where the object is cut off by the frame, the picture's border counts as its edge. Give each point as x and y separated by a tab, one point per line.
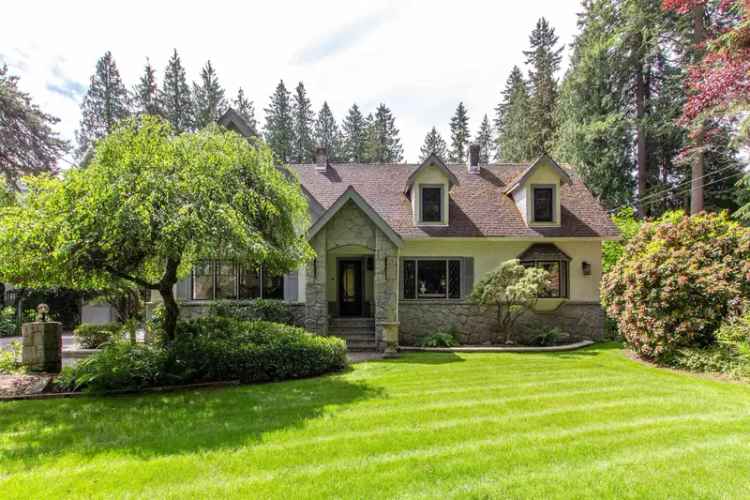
553	203
215	265
441	219
448	288
563	278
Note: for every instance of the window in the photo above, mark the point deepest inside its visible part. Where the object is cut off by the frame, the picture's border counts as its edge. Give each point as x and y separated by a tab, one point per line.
216	280
557	286
432	279
432	204
544	199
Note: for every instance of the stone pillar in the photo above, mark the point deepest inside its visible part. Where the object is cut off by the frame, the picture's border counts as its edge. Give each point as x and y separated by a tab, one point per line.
316	309
42	346
386	293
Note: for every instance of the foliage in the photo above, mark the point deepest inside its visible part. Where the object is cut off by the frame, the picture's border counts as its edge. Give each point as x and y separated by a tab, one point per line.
8	323
90	336
279	129
383	141
120	365
105	104
124	297
145	96
460	134
440	339
208	97
10	358
485	140
28	144
718	358
543	335
512	289
433	143
512	120
149	206
246	110
354	130
275	311
735	333
676	281
175	98
327	133
628	225
303	119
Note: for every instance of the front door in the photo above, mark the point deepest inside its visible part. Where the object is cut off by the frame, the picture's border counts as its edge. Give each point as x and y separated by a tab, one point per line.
350	287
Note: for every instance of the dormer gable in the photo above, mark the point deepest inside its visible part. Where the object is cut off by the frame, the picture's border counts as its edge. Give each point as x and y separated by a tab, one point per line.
536	192
428	187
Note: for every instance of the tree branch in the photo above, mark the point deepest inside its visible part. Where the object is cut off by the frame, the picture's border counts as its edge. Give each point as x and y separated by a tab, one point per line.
137	281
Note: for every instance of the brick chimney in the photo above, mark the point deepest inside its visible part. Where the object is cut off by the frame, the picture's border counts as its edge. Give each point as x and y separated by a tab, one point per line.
473	158
321	159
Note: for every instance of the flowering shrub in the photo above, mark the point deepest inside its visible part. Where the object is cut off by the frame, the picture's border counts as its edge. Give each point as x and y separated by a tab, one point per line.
677	281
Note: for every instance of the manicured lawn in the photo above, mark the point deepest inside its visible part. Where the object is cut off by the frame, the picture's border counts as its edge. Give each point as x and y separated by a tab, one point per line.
586	424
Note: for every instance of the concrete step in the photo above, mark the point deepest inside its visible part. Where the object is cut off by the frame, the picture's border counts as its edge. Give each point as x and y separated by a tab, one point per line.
357	322
361	346
351	330
356	337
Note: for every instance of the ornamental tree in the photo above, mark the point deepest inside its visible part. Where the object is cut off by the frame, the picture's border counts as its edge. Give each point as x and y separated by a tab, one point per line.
148	207
512	289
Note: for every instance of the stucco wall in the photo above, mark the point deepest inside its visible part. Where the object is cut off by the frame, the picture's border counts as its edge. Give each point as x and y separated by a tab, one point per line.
544	174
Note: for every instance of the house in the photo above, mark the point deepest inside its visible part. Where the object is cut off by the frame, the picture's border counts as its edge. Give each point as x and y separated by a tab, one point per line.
399	247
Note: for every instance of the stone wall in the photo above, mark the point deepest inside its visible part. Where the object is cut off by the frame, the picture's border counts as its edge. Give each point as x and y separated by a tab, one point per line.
477	326
386	287
316	310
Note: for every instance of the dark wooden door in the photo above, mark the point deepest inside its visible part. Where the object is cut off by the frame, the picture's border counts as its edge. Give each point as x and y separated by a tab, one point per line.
350	287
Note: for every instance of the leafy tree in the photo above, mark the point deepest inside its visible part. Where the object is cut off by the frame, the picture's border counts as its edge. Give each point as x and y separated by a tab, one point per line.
628	224
459	134
512	120
28	145
145	97
209	103
175	97
383	142
485	141
433	143
355	135
125	216
279	130
327	133
104	105
512	289
544	58
303	118
246	109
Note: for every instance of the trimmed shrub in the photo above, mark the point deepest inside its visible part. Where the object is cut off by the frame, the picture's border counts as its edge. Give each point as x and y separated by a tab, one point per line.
91	336
249	310
677	281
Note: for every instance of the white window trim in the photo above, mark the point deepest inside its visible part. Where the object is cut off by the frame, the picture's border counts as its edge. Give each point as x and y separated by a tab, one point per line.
444	205
555	206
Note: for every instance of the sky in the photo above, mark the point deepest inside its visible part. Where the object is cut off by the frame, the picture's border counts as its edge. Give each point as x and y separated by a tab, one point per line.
420	58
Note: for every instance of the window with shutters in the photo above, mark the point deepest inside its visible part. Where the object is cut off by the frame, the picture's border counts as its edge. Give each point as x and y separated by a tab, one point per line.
429	278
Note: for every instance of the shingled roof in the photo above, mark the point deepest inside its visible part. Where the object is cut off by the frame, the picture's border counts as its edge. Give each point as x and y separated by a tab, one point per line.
479	206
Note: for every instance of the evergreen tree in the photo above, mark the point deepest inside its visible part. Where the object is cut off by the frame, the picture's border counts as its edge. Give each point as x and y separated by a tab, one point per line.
513	141
175	97
459	134
355	136
209	103
246	109
303	118
383	142
279	129
327	133
484	139
145	97
433	143
544	58
104	105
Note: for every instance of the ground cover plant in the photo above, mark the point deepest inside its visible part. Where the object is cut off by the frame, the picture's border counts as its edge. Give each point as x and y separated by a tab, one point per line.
585	424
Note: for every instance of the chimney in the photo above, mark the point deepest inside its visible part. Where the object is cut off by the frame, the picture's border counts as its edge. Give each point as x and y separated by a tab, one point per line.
474	158
321	159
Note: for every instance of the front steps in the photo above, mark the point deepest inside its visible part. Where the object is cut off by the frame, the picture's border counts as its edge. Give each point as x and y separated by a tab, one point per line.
359	333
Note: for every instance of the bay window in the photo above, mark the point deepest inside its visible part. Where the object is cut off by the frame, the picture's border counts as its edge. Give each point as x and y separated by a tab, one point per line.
557	284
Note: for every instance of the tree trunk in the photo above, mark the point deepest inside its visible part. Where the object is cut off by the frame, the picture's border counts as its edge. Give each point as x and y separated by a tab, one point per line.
166	290
642	152
696	174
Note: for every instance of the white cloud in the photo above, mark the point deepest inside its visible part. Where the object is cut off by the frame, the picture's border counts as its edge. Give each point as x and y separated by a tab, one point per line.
419	57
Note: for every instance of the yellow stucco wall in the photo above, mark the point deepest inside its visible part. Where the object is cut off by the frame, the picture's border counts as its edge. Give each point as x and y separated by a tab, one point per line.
544	174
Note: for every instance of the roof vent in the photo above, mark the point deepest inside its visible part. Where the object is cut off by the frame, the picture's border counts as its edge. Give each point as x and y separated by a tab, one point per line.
321	159
474	158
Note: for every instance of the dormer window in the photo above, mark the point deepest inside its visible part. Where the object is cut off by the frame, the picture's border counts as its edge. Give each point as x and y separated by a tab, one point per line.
544	203
431	208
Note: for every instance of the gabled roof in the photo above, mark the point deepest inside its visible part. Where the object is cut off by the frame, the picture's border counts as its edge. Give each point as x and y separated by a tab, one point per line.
234	121
542	160
435	160
352	195
543	251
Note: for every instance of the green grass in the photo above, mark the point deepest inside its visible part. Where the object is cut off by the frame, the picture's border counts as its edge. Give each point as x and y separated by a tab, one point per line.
585	424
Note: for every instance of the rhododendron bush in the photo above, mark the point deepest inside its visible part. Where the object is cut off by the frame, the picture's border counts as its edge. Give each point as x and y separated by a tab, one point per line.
677	281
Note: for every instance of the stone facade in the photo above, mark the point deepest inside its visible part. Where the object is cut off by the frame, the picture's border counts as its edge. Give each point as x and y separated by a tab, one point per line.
477	326
316	310
42	346
386	287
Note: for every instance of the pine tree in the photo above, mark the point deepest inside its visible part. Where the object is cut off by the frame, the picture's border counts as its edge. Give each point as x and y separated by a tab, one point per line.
355	136
145	97
303	119
513	142
485	141
209	103
384	144
246	109
279	123
175	97
459	134
104	105
327	133
433	143
544	58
